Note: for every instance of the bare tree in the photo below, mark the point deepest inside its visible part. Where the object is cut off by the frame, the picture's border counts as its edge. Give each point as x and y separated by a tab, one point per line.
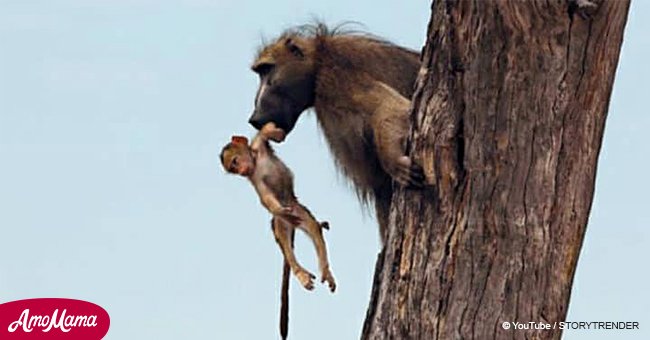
508	119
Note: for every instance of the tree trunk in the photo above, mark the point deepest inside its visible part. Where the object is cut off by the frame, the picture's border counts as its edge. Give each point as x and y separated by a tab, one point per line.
508	119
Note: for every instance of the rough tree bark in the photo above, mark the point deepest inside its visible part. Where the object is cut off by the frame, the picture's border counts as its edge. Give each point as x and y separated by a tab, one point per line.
508	119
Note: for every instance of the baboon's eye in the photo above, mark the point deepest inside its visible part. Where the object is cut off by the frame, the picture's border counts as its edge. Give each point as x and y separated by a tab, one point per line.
293	48
263	68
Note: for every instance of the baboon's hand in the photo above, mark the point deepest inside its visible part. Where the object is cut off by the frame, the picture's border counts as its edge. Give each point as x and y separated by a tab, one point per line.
306	278
288	214
408	173
273	132
327	276
585	8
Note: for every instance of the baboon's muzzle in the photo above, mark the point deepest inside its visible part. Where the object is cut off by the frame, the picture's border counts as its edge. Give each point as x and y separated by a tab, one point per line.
284	122
257	120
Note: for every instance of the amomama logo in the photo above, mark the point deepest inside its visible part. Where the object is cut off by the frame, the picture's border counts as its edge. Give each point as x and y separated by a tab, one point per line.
51	319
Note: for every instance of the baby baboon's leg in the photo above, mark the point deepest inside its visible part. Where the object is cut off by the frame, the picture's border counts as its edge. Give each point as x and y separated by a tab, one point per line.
282	233
315	232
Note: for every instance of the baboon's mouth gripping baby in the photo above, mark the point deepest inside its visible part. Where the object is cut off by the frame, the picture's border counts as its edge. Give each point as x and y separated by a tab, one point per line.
287	81
359	87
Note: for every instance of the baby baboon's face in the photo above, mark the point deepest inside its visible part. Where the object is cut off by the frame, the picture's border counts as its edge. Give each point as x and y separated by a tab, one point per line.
240	163
237	158
287	81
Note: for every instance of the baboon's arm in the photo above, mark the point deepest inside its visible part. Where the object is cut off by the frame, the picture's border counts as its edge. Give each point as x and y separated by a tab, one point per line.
389	122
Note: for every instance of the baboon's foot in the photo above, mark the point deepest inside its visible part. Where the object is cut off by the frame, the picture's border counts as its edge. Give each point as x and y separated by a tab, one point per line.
327	276
306	278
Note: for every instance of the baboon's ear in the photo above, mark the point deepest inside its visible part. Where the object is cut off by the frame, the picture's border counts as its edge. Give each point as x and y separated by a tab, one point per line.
293	48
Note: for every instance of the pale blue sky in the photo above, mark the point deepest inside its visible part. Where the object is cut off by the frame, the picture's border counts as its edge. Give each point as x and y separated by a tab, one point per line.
111	117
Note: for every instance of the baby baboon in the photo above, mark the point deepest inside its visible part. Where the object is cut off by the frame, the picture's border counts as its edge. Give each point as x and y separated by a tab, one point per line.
359	87
273	182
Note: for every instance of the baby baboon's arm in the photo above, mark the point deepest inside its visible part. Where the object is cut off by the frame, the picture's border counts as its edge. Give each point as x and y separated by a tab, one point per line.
269	200
268	197
259	143
272	204
268	132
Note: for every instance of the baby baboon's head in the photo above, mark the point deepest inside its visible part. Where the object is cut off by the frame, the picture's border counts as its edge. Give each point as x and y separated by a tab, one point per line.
236	157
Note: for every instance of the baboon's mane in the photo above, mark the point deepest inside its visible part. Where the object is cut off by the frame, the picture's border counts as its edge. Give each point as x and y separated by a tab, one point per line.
320	30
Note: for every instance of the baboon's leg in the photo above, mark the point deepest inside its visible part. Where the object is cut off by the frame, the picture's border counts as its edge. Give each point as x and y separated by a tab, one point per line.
282	233
315	232
390	125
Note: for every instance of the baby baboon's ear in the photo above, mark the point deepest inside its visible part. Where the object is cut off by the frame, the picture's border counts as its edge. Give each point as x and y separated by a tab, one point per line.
293	48
239	140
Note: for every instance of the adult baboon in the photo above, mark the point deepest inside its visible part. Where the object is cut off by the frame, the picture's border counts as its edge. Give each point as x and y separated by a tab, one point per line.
360	88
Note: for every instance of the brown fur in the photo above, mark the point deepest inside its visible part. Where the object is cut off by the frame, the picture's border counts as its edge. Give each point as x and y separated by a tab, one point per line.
359	87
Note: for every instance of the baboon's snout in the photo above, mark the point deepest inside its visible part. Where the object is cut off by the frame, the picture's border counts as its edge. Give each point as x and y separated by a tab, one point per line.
257	120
